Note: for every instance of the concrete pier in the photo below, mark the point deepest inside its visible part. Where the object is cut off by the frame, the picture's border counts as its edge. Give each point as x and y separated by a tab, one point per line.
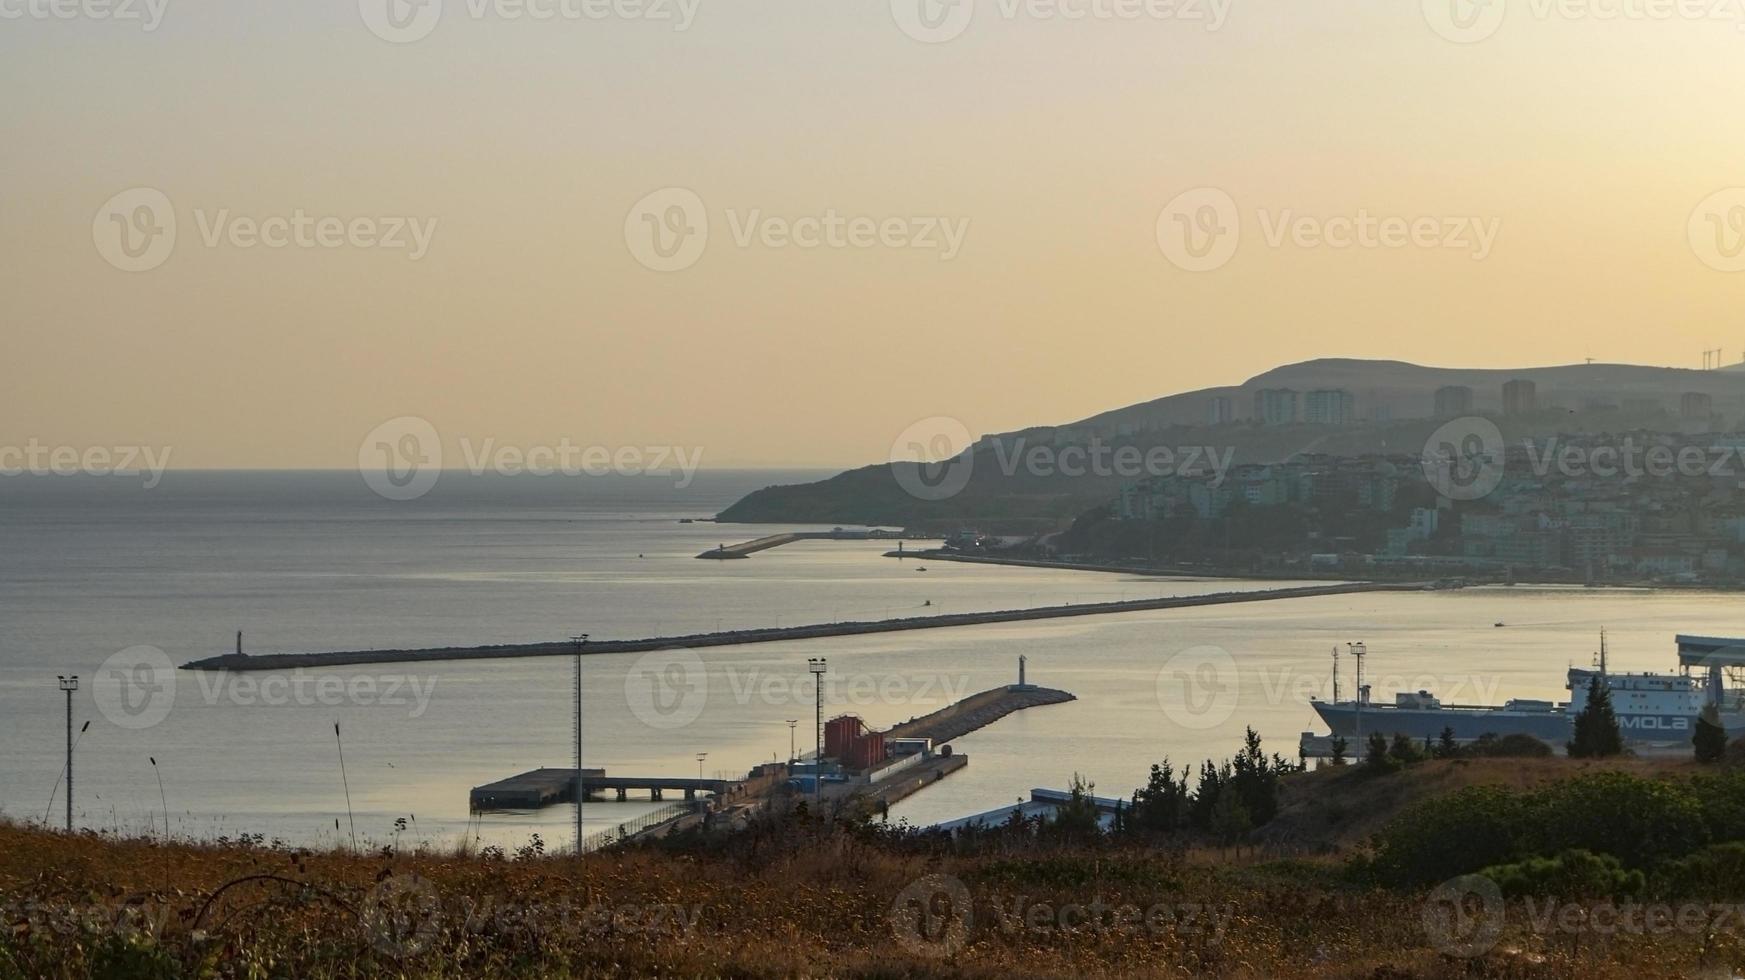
546	787
745	549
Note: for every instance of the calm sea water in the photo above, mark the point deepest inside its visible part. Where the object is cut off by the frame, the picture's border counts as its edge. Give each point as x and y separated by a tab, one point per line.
91	567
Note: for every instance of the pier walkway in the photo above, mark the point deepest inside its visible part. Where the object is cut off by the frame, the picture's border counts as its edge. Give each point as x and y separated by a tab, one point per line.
547	787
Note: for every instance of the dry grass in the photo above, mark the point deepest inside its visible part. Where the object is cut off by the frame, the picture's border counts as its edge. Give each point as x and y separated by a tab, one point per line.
786	899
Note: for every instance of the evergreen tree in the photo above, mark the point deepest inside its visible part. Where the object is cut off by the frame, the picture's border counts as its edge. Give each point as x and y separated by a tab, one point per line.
1339	748
1376	759
1230	819
1206	792
1446	746
1405	751
1255	779
1078	817
1162	804
1711	736
1596	732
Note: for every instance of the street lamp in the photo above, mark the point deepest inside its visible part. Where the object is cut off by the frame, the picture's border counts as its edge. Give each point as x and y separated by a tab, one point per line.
69	684
818	666
792	724
700	757
580	640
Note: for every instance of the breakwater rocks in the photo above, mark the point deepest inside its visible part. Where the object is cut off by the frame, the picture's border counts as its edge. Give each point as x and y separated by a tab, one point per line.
293	661
977	711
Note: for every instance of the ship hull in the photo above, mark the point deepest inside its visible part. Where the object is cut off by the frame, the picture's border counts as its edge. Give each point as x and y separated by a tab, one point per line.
1471	723
1468	724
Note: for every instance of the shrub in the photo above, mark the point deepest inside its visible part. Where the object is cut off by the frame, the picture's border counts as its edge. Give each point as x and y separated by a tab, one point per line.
1639	821
1573	874
1516	746
1437	839
1721	795
1716	872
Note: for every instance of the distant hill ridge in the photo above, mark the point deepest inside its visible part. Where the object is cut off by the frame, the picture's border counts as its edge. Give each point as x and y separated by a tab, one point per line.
1394	405
1408	390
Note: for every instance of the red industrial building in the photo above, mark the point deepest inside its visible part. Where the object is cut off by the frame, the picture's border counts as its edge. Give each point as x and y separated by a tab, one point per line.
848	740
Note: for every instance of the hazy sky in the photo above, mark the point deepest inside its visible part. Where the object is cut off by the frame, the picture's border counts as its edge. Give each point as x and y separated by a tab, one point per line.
1587	147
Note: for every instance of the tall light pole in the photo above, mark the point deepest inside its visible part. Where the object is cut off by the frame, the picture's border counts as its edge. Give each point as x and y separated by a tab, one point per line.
1357	653
580	640
700	757
792	724
818	666
69	684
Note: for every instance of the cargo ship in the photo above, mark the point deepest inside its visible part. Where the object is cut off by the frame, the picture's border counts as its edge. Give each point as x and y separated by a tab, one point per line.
1650	707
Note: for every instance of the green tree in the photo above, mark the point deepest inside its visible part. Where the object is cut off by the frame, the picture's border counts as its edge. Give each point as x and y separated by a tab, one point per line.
1446	746
1339	748
1161	806
1711	736
1254	778
1206	792
1376	760
1230	819
1078	817
1405	751
1596	732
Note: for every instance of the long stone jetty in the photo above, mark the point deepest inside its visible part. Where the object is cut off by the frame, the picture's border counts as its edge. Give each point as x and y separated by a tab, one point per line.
977	711
292	661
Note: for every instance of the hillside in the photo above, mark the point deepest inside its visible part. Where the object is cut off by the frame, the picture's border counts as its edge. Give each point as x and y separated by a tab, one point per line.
1408	390
1394	402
